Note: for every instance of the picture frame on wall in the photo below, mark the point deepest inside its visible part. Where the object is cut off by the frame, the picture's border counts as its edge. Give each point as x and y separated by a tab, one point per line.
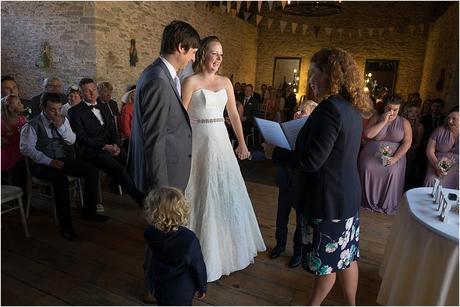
283	70
380	75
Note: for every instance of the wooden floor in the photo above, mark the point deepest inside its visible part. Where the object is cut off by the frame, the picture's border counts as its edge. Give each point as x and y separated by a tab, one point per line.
104	266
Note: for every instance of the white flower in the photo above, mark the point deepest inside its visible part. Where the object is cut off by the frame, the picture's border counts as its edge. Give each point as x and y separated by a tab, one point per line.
340	241
340	264
331	247
353	230
357	234
349	223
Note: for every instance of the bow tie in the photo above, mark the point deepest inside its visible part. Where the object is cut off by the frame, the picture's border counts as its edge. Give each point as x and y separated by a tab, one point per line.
92	106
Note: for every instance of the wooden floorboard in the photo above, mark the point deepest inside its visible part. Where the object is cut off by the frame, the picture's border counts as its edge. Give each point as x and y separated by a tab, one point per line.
104	266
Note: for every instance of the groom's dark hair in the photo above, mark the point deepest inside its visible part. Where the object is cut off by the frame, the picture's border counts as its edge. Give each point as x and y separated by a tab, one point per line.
179	32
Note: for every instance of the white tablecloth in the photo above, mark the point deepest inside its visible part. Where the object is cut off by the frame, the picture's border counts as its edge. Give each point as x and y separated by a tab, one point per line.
420	263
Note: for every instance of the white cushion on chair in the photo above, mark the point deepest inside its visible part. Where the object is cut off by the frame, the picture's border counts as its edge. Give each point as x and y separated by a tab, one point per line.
10	192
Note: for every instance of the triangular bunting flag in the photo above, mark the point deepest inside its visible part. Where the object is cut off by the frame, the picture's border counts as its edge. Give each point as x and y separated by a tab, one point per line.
340	31
248	5
304	29
270	5
283	25
421	27
294	26
233	12
246	16
259	19
360	33
411	29
259	5
229	6
283	4
316	30
328	31
380	31
269	22
391	30
371	31
238	6
222	9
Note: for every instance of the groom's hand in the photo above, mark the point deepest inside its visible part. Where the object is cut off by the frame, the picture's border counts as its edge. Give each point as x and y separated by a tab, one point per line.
200	295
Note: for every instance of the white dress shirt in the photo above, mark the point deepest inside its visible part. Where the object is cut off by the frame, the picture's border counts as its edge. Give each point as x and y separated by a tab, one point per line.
28	139
96	112
173	73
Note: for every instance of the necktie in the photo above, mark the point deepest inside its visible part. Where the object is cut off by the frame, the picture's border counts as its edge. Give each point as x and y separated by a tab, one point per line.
54	132
246	99
177	81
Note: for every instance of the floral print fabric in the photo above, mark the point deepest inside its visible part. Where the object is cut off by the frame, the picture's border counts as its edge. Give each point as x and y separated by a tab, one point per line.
329	245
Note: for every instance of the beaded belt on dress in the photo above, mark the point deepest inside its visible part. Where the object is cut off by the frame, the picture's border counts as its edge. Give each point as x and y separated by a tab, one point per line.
208	120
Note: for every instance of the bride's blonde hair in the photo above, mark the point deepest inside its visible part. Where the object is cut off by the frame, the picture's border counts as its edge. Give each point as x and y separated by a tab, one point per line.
202	50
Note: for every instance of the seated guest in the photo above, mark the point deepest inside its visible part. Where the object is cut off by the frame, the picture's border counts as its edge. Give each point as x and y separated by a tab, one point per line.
73	94
180	271
13	163
97	139
382	161
239	94
413	159
432	120
105	90
126	119
290	105
50	85
10	87
46	140
272	106
250	104
443	146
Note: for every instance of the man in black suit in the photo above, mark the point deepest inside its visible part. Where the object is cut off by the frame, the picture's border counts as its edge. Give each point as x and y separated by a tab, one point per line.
98	141
250	102
160	148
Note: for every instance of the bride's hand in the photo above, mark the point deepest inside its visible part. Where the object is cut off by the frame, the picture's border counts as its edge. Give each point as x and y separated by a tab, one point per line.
242	152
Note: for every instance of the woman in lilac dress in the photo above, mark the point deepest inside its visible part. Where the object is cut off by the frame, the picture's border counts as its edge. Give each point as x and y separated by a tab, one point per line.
443	144
382	178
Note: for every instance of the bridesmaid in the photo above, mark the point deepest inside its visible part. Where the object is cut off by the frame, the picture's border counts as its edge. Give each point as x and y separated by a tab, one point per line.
443	142
383	185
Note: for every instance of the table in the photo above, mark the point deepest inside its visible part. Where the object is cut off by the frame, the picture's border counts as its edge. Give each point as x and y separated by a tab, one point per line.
420	263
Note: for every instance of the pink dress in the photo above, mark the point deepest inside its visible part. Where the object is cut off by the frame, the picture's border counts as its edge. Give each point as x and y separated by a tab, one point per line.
446	146
10	144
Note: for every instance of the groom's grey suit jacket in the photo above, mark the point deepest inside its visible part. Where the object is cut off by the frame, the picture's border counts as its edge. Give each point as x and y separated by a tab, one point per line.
160	148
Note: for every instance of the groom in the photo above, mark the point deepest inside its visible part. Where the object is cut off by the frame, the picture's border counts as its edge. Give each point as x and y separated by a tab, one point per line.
161	141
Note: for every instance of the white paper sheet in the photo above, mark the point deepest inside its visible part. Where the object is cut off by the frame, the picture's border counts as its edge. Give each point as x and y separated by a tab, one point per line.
282	135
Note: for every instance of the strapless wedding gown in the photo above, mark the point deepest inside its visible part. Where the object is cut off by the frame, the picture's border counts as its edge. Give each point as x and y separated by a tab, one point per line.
222	216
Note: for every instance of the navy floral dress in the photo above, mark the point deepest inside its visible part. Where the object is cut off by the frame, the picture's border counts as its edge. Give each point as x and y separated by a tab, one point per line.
329	245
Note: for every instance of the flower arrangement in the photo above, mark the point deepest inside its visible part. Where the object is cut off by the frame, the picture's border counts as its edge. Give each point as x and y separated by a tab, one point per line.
445	163
385	152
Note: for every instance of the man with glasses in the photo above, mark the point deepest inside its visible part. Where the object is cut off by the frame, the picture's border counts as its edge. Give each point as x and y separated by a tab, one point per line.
50	85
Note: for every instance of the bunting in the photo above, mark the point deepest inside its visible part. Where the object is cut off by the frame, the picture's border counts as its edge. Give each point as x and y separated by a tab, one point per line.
270	5
233	12
304	29
269	22
259	5
283	4
248	5
283	25
294	26
259	19
229	6
238	6
222	9
246	16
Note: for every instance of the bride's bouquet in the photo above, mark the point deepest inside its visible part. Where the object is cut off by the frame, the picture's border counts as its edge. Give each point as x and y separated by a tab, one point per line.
385	153
445	163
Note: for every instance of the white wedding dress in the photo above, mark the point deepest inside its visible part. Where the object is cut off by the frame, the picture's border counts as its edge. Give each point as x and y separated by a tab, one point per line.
222	216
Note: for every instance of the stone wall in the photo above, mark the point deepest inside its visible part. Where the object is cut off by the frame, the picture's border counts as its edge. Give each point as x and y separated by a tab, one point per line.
442	53
403	45
65	26
92	39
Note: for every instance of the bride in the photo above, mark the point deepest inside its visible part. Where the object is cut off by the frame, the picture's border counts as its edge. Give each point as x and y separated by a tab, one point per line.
222	216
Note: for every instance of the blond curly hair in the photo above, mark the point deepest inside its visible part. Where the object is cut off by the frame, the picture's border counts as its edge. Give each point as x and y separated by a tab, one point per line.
343	76
166	208
202	50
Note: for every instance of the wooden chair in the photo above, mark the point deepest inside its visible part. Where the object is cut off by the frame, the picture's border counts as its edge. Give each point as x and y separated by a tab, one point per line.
9	194
33	182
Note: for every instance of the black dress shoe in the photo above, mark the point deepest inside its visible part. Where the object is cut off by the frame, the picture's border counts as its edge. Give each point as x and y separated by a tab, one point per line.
69	234
294	261
276	251
95	217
